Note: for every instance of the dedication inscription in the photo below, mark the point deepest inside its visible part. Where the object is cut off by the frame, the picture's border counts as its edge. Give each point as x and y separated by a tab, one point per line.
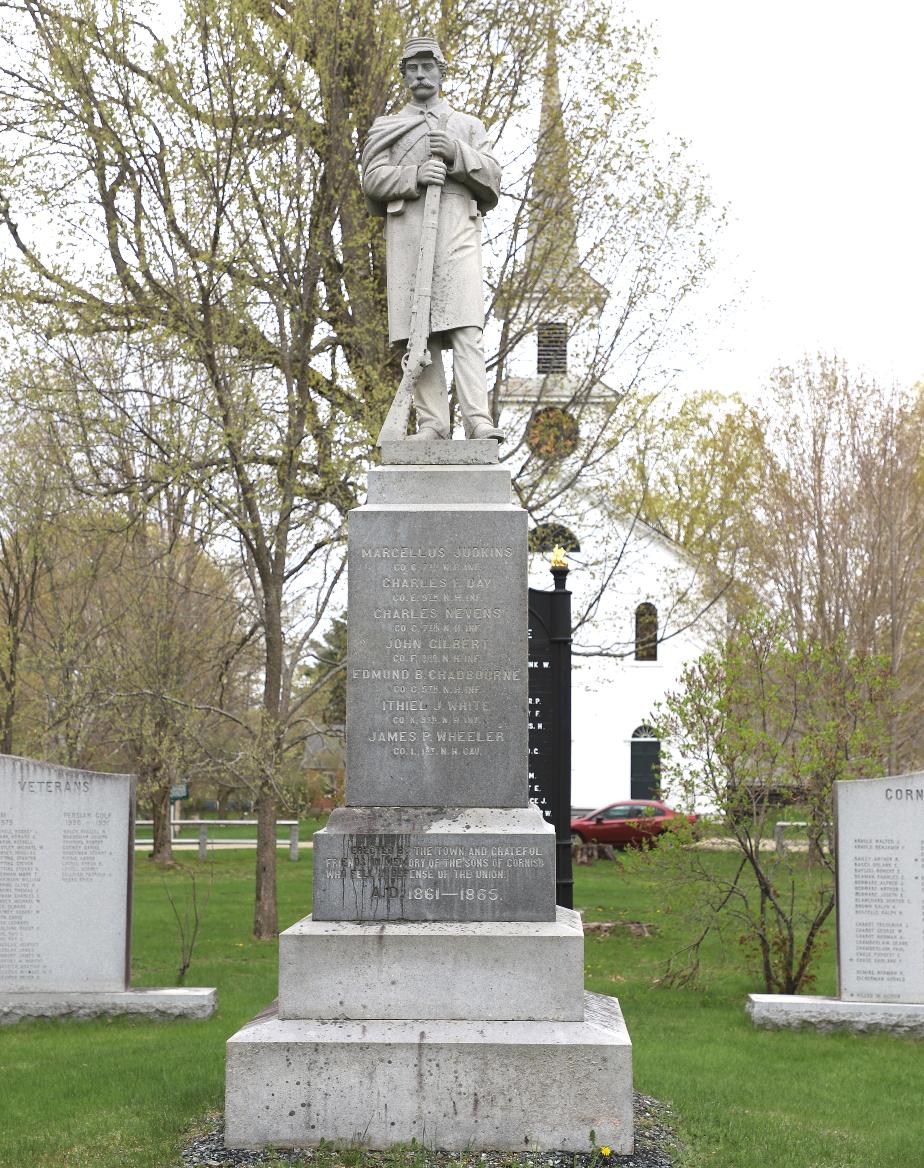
439	865
64	878
436	683
880	899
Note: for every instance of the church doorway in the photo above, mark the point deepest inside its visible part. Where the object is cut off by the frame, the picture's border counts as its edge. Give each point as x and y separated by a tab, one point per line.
645	764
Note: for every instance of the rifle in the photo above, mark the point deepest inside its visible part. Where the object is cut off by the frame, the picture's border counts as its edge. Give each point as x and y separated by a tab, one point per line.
417	356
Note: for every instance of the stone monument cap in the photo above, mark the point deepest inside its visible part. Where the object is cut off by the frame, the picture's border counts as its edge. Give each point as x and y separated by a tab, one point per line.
472	452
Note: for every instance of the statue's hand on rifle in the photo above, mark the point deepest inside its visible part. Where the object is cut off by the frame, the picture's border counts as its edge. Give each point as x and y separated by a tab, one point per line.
442	146
431	173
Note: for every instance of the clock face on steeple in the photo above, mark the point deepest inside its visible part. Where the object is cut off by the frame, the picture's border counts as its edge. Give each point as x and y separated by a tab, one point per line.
552	433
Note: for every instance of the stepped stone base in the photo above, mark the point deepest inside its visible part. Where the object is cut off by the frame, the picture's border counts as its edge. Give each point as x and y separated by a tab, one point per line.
459	1086
500	971
793	1011
156	1004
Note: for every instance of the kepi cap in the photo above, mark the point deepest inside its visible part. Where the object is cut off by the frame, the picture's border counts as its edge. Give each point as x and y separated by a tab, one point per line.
418	46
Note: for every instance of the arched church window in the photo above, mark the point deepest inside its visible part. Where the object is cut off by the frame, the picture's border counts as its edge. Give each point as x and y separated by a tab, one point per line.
644	731
544	537
646	632
552	347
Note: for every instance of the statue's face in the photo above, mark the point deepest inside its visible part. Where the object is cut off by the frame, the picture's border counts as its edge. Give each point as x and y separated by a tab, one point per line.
422	76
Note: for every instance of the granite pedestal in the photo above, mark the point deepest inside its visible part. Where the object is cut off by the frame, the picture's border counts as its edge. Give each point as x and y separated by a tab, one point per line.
435	864
487	970
436	993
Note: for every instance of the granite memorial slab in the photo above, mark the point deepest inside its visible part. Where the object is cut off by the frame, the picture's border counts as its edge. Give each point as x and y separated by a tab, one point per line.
435	864
65	878
826	1015
880	889
436	664
65	899
156	1005
466	1085
474	452
423	485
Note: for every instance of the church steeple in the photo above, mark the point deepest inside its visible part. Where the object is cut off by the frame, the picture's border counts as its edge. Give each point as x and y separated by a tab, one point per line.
552	302
563	293
552	223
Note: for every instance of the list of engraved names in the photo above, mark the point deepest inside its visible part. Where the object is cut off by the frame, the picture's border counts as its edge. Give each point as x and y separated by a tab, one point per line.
63	877
435	663
21	956
880	895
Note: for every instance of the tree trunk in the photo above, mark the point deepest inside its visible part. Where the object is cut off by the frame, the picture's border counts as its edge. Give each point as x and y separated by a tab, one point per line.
224	798
265	924
265	920
9	694
6	726
160	809
816	852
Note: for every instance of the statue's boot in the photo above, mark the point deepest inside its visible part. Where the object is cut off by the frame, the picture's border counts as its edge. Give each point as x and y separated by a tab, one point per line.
486	430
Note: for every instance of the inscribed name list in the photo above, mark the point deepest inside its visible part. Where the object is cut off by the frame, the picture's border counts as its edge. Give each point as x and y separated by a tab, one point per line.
880	898
64	878
437	661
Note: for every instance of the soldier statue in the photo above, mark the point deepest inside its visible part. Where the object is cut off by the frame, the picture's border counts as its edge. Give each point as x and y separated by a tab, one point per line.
429	144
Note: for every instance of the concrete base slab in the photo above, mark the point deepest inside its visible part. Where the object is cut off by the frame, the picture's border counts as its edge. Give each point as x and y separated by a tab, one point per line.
793	1011
460	1086
502	971
158	1005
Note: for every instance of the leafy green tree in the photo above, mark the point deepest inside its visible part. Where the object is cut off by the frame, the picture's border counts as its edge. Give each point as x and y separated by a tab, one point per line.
694	467
837	541
172	668
31	500
327	675
758	727
130	659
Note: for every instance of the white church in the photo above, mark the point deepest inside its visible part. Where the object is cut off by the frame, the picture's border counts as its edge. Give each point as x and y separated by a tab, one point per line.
652	619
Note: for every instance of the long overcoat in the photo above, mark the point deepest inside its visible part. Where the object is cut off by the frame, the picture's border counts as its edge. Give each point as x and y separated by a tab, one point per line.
397	145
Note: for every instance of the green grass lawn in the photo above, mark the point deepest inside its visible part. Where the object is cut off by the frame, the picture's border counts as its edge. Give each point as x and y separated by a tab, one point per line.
122	1093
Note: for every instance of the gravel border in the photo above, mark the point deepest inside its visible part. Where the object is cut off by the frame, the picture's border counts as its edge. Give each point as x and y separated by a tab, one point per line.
655	1147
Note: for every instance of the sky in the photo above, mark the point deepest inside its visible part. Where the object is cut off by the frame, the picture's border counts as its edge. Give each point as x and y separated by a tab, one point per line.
807	117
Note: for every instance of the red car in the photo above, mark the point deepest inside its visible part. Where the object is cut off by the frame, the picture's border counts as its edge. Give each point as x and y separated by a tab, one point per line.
631	822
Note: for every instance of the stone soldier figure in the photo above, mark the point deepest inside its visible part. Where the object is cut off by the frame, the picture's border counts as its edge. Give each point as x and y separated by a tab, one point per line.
428	143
